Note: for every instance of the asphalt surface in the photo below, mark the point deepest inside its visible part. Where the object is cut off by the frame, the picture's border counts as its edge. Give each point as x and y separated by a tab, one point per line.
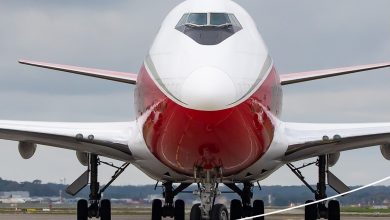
146	217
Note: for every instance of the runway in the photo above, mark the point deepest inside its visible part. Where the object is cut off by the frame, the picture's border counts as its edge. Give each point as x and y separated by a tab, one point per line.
146	217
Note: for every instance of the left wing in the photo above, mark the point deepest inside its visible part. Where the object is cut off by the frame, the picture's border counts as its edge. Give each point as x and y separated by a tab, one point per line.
124	77
105	139
292	78
311	140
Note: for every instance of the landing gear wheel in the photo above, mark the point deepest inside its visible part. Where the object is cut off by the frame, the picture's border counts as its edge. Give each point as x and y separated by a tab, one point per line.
258	209
82	209
235	209
219	212
156	209
179	210
196	213
333	210
310	211
105	209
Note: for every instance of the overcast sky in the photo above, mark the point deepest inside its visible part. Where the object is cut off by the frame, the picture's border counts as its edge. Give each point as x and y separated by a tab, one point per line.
301	35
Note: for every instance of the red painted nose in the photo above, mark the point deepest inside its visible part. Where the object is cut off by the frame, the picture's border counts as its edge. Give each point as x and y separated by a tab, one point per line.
183	138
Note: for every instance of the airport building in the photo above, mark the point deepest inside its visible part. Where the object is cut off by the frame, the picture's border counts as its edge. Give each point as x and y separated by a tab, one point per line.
14	194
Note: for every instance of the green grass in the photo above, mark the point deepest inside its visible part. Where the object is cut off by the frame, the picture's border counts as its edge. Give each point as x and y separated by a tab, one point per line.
146	211
71	211
364	210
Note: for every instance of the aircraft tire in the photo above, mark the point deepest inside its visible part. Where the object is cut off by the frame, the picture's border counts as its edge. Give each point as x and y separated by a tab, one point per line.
156	209
219	212
310	211
196	213
82	209
235	209
258	209
333	210
179	210
105	209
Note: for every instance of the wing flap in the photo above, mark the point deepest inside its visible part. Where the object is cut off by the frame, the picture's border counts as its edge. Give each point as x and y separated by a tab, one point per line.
106	139
124	77
292	78
311	140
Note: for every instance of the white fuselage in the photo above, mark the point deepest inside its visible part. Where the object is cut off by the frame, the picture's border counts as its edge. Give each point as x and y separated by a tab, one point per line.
183	75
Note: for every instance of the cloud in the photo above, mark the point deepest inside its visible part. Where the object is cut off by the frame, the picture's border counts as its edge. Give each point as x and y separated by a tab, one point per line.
331	106
116	35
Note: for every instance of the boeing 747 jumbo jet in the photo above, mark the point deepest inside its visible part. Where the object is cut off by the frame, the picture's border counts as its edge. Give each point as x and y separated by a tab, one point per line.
208	102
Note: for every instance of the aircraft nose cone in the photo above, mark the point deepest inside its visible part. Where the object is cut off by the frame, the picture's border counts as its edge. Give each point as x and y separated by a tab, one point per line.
208	89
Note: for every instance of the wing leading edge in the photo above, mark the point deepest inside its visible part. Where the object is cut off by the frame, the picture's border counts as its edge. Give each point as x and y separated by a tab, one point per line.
124	77
311	140
105	139
292	78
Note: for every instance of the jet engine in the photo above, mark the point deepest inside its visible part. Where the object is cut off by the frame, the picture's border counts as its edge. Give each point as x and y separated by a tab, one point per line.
83	158
333	158
385	150
27	149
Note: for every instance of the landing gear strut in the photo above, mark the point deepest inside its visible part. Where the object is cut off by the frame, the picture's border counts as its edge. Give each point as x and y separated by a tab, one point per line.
319	210
208	181
244	208
171	209
97	208
94	196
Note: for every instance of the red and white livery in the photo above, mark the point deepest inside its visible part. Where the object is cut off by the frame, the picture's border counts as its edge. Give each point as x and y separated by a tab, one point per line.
208	101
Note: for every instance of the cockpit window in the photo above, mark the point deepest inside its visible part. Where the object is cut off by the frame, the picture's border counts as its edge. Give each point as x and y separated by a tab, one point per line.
219	19
208	28
197	19
183	20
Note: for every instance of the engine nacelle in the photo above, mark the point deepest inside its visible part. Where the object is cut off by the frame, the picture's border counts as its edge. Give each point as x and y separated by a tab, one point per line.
385	150
27	149
333	158
83	158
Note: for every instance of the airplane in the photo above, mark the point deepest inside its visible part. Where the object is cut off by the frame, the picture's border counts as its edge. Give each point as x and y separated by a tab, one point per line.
208	103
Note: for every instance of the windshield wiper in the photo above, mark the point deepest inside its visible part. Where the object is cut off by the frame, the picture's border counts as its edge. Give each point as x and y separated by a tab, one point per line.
195	25
223	25
211	25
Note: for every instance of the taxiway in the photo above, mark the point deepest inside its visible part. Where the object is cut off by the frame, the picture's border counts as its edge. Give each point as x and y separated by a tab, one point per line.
146	217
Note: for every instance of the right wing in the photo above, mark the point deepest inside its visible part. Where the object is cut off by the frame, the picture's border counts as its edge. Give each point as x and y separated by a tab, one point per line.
105	139
311	140
292	78
124	77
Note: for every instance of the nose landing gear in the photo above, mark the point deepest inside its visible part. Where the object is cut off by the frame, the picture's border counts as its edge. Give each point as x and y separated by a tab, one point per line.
208	181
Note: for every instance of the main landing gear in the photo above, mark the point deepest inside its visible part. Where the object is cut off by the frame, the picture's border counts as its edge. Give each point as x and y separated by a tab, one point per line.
320	210
174	210
244	208
97	207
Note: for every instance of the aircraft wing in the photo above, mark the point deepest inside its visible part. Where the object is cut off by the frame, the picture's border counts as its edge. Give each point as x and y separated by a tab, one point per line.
105	139
292	78
124	77
311	140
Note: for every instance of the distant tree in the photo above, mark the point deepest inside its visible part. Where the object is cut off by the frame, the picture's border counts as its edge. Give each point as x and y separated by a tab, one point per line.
38	182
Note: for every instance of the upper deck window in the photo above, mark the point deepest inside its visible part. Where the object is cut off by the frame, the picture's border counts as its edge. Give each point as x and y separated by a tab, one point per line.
208	28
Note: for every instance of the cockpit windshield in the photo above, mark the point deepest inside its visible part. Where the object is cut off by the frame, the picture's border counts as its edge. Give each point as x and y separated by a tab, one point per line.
197	19
219	19
208	28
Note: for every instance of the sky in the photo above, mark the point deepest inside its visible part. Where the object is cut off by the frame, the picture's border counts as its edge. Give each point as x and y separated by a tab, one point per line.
301	35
